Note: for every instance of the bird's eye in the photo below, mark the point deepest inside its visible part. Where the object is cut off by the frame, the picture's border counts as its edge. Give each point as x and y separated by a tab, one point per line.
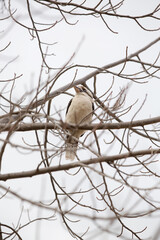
84	90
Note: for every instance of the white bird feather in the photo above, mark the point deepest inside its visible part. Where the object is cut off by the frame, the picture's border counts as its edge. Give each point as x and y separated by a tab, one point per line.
79	111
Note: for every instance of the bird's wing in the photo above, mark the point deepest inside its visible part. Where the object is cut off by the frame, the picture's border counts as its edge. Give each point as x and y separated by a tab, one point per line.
93	107
68	106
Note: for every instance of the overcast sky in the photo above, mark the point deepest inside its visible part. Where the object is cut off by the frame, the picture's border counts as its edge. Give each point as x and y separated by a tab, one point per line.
93	44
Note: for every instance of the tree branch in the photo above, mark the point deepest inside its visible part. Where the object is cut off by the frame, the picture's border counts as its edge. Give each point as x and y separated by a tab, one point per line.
22	127
107	159
90	75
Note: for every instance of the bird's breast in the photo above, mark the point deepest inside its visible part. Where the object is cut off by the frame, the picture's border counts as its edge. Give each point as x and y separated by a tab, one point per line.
79	111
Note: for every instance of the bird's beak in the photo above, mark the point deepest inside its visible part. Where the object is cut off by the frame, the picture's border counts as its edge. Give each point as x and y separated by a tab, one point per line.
77	89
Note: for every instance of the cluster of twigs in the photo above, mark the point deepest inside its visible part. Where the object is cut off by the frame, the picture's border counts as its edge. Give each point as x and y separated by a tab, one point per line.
109	162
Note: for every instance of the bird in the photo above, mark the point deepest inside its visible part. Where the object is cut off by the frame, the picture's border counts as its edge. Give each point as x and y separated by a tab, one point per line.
79	111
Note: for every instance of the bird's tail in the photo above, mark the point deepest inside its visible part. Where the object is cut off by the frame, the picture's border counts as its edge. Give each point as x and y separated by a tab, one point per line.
71	148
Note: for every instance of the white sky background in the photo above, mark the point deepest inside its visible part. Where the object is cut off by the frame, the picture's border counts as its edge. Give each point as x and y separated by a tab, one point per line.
98	47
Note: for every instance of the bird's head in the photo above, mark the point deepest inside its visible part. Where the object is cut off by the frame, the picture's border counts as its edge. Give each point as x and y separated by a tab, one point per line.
80	89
